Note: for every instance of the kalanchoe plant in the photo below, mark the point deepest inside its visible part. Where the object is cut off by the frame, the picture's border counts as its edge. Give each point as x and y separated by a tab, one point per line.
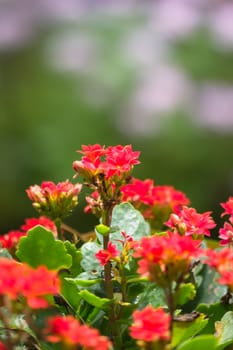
148	277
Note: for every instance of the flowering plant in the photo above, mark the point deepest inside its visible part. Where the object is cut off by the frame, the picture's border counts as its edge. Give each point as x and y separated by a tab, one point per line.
145	278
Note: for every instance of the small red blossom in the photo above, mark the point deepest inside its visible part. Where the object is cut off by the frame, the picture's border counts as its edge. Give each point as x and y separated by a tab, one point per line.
188	222
169	196
105	255
18	279
150	324
226	234
110	161
3	346
120	159
228	206
11	239
43	221
69	331
138	191
54	200
164	259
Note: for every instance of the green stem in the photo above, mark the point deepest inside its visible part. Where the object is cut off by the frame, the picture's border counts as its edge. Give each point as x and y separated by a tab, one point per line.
58	223
170	303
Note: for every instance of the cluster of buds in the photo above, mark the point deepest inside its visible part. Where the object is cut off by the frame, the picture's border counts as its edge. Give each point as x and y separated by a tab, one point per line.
54	200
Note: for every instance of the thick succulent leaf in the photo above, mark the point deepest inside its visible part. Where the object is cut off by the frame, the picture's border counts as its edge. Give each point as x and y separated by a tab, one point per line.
40	247
198	343
126	218
224	329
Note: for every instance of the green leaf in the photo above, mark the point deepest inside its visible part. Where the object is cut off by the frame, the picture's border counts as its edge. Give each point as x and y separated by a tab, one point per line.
76	268
199	343
102	229
151	294
39	247
92	299
84	282
210	290
224	330
185	293
185	330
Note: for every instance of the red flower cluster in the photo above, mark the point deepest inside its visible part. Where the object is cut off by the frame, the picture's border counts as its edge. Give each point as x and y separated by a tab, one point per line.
155	202
53	200
11	239
188	222
43	221
105	255
228	206
164	259
69	331
17	279
145	192
226	234
110	161
150	325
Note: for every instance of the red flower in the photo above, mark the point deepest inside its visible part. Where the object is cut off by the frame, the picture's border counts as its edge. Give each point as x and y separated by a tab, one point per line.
43	221
69	331
2	346
166	258
169	196
120	159
150	325
226	234
11	239
222	262
17	279
228	206
138	191
189	222
105	255
110	161
54	200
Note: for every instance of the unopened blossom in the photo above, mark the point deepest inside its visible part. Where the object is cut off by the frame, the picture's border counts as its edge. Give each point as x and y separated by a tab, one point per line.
43	221
54	200
11	239
105	255
228	206
188	222
150	325
226	234
69	331
18	279
164	259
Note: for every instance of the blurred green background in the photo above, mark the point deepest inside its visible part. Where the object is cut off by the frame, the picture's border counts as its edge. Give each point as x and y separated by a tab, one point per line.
154	74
